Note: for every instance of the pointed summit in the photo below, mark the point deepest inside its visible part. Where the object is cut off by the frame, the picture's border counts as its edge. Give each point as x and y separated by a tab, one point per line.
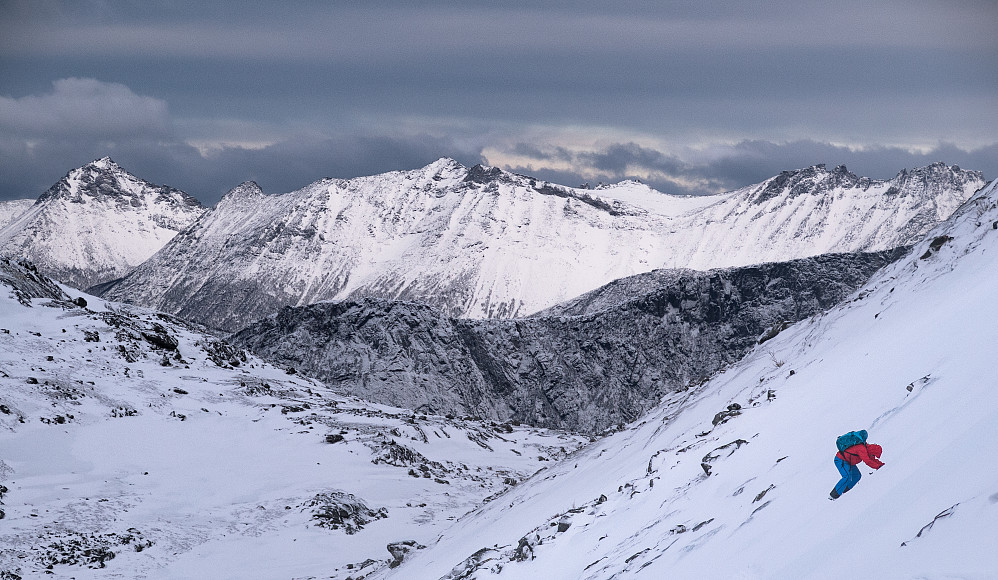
97	223
103	163
247	190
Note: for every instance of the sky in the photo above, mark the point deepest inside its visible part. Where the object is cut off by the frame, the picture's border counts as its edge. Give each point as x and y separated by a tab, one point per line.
691	97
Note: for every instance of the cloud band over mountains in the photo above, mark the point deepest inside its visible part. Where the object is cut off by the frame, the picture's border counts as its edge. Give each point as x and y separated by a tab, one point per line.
689	98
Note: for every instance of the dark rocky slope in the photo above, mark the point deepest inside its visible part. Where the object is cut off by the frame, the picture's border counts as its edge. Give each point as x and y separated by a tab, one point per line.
589	365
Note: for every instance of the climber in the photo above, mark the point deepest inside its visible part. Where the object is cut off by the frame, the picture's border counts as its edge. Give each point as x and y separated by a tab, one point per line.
853	449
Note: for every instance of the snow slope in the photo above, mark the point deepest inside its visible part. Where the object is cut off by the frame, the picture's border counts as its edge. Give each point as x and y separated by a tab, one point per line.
483	243
97	223
132	445
905	359
10	210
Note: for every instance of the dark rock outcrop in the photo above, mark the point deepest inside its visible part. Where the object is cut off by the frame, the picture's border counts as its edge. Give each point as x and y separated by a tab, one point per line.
599	361
26	282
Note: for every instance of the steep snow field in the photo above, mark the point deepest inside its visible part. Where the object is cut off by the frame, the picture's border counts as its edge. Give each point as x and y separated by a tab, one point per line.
113	465
10	210
907	358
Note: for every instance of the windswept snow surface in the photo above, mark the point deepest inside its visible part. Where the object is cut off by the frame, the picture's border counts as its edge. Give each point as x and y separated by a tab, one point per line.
97	223
484	243
10	210
907	358
209	467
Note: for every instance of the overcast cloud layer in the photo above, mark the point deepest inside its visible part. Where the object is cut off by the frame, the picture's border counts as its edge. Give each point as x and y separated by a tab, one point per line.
691	97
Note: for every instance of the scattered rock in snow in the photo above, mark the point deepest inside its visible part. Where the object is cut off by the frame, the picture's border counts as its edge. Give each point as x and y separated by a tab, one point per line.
763	493
719	453
224	354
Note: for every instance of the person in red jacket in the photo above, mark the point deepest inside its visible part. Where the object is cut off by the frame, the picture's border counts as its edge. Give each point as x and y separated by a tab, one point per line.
846	461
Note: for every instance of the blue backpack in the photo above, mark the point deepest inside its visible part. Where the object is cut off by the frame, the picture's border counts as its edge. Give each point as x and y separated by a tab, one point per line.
849	439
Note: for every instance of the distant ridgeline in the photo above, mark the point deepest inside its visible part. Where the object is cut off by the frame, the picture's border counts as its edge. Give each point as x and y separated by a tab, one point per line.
485	243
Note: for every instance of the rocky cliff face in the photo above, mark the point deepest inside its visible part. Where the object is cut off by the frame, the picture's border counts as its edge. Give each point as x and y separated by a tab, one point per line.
97	223
480	242
599	361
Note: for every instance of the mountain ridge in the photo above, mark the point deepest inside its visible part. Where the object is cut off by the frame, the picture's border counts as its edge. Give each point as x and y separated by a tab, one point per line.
481	242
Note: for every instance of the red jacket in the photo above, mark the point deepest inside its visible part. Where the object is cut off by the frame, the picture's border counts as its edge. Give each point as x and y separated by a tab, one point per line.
868	454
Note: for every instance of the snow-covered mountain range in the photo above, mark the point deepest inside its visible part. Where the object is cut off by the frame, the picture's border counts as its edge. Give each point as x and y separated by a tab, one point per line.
97	223
599	361
480	242
731	479
132	445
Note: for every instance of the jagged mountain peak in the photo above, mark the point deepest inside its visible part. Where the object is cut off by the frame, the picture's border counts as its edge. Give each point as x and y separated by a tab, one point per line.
815	180
818	180
245	190
98	222
103	179
934	177
481	242
485	174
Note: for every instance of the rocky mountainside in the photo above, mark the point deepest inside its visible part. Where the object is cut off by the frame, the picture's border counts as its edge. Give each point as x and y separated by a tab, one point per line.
484	243
97	223
581	367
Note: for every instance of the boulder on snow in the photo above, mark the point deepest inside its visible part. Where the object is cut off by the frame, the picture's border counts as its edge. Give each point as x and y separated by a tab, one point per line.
733	410
399	550
340	510
159	337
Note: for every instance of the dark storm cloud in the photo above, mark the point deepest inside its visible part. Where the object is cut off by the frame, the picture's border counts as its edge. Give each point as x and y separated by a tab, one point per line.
278	168
615	159
219	92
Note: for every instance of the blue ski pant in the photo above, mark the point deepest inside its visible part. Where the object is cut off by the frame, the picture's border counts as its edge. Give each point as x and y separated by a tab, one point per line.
850	476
